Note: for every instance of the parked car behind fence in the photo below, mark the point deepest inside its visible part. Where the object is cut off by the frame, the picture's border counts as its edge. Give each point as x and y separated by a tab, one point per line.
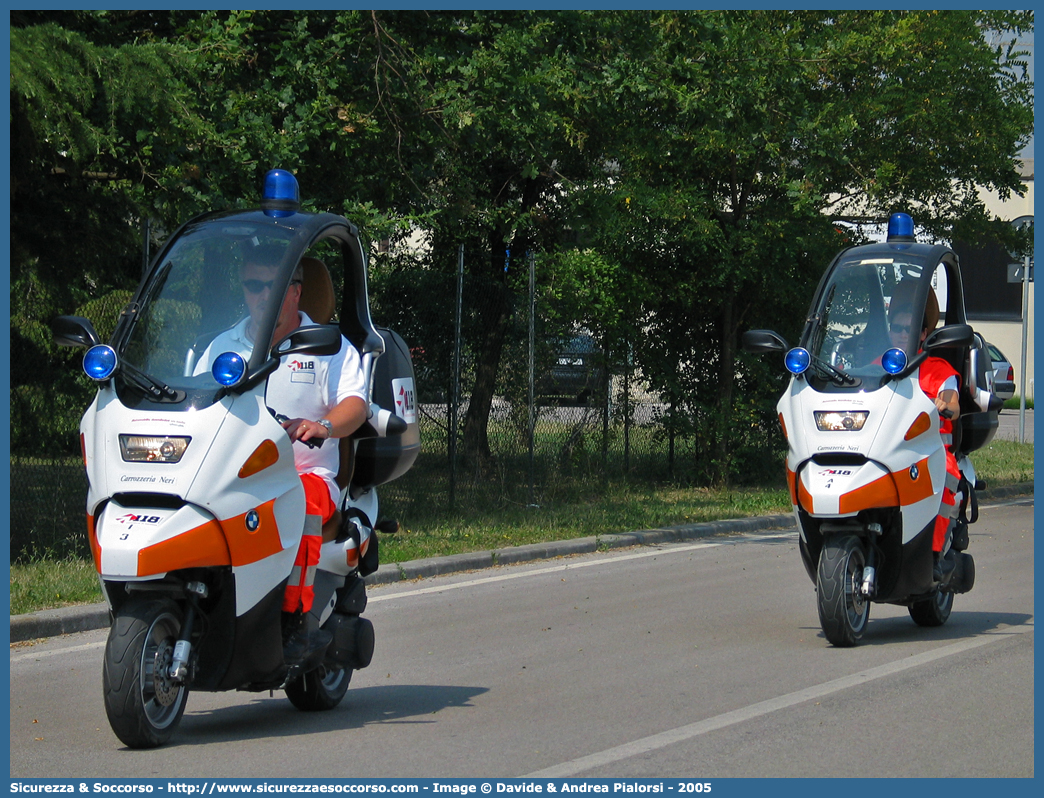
1003	374
577	376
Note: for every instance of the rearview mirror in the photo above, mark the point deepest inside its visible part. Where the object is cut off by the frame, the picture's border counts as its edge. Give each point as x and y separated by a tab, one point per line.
950	336
74	331
315	339
761	341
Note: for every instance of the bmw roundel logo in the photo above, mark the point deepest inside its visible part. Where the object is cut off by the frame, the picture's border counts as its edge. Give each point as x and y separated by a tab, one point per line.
914	473
253	521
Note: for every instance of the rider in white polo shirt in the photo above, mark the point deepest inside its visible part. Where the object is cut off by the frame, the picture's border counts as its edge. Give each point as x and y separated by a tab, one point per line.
323	397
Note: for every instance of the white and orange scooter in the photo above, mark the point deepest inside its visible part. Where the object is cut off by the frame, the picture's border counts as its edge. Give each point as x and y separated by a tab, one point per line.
194	507
866	463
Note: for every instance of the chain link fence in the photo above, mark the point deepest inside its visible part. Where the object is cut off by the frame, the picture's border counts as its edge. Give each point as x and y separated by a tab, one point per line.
564	420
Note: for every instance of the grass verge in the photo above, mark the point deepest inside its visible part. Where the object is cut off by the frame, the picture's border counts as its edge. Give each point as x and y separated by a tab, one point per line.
1015	403
44	584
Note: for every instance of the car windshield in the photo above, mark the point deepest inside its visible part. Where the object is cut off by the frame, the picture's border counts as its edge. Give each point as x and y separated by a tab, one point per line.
208	296
871	302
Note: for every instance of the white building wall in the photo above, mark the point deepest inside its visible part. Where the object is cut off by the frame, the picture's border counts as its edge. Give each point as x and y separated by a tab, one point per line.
1007	335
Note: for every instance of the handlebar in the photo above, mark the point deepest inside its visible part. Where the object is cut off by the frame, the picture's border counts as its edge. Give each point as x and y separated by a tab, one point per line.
380	424
311	443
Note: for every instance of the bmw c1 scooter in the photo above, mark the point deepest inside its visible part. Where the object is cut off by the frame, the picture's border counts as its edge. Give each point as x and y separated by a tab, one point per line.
194	508
866	461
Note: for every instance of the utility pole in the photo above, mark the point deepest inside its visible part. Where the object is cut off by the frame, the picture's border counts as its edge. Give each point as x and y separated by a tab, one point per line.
1024	223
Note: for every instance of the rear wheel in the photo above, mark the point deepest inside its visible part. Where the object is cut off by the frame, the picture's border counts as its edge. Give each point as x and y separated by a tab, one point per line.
320	689
843	609
143	703
933	611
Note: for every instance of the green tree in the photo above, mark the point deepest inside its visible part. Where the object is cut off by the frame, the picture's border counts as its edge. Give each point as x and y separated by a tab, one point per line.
677	172
758	128
89	131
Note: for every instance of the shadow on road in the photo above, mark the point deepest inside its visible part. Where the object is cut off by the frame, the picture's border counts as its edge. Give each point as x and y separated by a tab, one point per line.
265	717
960	626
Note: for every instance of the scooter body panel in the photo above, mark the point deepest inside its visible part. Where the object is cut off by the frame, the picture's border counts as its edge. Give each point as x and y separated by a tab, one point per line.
890	472
217	513
195	509
866	460
841	473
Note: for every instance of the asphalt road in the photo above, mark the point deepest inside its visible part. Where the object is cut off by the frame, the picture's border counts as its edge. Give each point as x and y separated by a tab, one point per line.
700	659
1010	424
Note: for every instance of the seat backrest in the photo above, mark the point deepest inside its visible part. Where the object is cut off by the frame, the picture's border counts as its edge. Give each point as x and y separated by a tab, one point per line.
318	301
317	291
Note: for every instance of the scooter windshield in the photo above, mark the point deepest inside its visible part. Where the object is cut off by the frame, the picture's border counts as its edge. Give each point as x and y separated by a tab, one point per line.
872	301
217	290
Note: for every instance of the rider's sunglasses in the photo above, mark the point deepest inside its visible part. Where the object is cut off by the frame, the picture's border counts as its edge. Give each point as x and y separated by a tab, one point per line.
901	328
257	286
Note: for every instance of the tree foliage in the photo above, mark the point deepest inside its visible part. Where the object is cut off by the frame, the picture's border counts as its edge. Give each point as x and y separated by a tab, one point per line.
675	173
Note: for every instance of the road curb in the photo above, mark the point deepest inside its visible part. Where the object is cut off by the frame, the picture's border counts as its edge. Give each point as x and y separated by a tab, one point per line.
84	618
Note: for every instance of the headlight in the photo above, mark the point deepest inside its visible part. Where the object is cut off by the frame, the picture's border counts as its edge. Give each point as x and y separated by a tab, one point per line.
152	449
841	421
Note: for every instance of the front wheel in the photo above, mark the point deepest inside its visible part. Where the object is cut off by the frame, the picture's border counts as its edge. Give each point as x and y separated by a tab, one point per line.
143	703
320	689
934	611
843	609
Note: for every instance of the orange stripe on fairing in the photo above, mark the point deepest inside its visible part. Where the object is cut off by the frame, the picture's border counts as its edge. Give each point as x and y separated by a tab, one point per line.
246	546
879	493
804	497
792	485
92	538
213	543
891	490
200	547
912	491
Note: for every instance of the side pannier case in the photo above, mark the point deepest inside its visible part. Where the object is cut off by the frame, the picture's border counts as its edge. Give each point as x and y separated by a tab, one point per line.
380	460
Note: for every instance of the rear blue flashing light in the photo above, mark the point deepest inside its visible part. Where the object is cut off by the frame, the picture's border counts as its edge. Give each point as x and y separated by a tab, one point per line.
280	196
900	227
797	360
100	362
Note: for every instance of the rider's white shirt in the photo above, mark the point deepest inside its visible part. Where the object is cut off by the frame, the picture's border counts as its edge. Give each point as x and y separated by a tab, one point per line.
304	386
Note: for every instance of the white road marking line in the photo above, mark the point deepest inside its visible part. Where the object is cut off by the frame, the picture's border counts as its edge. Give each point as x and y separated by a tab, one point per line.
33	654
572	566
663	739
661	549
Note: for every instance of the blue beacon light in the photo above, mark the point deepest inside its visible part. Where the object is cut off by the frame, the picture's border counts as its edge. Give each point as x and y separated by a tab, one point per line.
797	360
280	196
99	362
228	369
900	227
894	361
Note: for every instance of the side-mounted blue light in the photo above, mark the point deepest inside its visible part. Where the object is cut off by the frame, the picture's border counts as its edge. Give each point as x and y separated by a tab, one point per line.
900	227
228	369
894	361
797	360
100	362
281	195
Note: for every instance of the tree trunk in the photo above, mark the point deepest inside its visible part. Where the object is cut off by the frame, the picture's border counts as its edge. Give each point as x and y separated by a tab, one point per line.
726	385
495	316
